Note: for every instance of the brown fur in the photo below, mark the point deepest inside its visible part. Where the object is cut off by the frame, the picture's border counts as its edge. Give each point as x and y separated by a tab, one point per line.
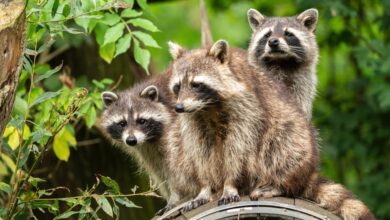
151	155
251	137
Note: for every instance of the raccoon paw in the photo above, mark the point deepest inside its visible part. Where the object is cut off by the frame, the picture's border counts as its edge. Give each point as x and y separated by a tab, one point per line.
226	199
194	204
266	192
164	210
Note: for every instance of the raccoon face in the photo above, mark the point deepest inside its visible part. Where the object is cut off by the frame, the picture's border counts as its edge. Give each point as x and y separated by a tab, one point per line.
283	38
200	78
134	119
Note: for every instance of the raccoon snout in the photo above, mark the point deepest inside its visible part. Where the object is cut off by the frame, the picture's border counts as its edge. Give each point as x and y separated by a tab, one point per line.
273	42
131	141
179	108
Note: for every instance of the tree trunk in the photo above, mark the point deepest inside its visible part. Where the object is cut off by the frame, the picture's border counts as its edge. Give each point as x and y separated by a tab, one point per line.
12	23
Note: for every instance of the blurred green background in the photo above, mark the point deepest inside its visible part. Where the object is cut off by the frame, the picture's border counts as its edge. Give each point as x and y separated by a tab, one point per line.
352	109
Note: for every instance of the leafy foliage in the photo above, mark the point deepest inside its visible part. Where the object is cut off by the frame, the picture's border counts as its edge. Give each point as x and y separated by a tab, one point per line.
108	20
44	115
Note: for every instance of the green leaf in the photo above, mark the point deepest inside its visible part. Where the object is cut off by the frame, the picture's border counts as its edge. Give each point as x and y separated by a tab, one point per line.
43	204
20	106
113	33
110	183
107	81
66	215
69	137
141	56
123	44
5	187
87	5
98	84
146	39
61	146
14	139
116	211
143	23
107	52
26	64
100	31
35	180
103	202
54	8
48	73
45	96
98	103
66	10
143	4
26	132
126	202
61	149
45	45
83	22
8	130
84	109
130	13
110	19
16	121
39	134
90	117
9	162
24	156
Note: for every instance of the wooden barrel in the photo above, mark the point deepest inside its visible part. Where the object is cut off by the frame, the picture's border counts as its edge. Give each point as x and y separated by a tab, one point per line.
266	208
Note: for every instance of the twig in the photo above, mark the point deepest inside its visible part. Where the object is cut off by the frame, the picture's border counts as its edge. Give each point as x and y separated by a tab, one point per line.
88	142
117	83
50	56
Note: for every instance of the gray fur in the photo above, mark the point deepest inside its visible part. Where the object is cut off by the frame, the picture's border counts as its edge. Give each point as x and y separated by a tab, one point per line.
300	79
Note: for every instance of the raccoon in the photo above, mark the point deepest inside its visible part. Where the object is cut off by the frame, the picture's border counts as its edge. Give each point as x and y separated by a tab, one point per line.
138	121
243	133
286	48
135	120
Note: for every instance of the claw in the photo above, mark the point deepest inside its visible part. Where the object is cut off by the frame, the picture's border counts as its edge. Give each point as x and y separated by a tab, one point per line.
194	204
164	210
266	192
228	199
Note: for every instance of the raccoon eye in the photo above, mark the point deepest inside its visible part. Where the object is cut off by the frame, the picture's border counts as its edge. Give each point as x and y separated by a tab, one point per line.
122	123
176	88
196	85
288	34
268	34
141	121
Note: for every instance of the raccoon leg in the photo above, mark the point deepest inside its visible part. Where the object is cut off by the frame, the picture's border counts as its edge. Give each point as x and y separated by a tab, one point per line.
173	199
229	195
203	197
265	191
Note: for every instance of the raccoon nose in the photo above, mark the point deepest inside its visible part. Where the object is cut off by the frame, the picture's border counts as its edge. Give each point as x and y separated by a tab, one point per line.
273	42
179	108
131	141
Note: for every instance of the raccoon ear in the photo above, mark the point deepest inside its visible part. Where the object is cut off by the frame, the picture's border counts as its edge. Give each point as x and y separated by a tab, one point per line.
220	50
108	98
255	18
175	49
150	92
309	19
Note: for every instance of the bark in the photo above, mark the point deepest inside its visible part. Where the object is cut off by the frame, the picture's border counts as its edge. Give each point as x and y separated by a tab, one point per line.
12	23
